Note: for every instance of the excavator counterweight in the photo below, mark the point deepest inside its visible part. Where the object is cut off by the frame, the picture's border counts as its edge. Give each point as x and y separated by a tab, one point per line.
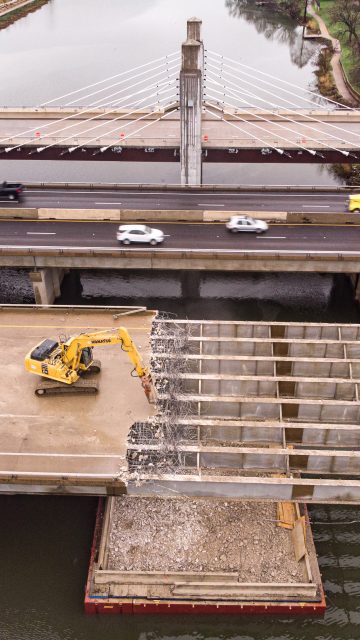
66	364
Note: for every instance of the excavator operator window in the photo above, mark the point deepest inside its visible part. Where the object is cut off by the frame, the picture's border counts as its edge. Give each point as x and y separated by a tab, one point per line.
86	356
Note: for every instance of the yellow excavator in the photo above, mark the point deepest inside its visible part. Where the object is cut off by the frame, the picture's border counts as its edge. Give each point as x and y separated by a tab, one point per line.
67	362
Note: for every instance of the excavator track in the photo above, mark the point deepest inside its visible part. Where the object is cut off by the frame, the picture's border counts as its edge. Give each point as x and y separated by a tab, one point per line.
53	388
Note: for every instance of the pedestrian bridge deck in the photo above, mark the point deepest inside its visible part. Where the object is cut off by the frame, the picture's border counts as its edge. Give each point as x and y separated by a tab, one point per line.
41	133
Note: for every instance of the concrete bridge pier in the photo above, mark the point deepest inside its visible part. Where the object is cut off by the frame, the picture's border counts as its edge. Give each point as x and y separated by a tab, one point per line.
191	94
47	284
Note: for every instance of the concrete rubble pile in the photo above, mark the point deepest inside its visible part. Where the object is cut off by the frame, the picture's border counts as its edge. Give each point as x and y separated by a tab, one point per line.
178	534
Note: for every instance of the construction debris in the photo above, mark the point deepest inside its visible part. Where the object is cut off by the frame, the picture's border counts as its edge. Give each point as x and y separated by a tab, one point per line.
207	535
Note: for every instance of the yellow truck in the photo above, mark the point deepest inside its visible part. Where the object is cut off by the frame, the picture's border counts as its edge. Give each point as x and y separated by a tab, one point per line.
354	203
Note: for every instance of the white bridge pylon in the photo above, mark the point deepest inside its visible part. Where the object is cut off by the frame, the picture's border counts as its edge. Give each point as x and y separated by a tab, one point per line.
194	107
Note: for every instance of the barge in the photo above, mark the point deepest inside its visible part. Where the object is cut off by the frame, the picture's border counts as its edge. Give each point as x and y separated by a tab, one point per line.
201	555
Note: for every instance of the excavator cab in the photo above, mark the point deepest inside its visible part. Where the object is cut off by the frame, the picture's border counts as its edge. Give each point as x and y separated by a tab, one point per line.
86	357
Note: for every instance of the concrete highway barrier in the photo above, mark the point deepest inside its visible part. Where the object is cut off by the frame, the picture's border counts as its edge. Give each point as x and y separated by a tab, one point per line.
189	215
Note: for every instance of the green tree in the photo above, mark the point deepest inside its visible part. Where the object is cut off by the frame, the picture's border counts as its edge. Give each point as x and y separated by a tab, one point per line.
346	13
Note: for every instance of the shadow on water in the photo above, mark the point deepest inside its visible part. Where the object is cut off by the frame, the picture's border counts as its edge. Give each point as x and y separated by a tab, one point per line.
289	297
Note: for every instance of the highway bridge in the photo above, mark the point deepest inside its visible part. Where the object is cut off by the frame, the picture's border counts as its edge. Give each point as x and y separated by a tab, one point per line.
49	248
256	198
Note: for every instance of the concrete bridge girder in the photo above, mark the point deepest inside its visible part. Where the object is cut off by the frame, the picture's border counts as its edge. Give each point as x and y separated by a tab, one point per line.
177	261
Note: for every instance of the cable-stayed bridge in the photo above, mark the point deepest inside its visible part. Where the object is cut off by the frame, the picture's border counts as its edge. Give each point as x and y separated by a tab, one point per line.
191	108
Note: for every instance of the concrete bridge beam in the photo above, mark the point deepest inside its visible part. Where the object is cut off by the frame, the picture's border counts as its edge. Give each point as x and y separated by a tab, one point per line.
191	95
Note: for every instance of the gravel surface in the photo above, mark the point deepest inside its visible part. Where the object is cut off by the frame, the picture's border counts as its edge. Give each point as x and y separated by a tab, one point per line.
180	534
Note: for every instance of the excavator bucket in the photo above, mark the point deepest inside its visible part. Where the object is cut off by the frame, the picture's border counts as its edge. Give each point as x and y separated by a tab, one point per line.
149	388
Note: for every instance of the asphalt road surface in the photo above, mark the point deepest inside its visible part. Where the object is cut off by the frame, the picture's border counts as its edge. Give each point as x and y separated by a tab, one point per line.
152	199
279	237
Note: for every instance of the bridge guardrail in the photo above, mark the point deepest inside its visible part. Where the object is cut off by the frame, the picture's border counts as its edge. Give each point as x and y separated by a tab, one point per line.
196	188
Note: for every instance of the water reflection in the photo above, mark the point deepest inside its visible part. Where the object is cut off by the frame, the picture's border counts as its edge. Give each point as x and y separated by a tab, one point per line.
273	26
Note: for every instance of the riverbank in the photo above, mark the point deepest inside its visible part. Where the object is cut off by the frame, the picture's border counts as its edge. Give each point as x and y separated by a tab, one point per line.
336	64
13	10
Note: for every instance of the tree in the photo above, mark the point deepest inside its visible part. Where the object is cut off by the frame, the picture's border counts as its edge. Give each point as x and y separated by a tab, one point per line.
347	14
292	8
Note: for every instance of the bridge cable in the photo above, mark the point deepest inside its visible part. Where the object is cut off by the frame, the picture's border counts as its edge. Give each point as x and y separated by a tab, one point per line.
282	126
265	144
101	115
295	111
158	85
290	84
165	115
133	122
95	84
303	115
146	79
81	112
71	137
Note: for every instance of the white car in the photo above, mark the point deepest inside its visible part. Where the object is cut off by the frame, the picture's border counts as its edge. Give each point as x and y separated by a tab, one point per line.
245	223
128	233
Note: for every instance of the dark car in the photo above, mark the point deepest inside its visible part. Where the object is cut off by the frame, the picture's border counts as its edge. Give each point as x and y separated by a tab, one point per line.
11	190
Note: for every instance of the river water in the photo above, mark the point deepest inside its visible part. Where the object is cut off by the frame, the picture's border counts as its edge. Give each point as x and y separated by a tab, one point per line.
68	44
45	541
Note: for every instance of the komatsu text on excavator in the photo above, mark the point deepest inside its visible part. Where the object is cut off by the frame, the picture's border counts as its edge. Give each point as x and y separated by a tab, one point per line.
66	363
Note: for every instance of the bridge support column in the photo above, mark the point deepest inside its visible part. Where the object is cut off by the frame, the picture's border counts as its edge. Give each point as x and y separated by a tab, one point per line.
47	284
191	95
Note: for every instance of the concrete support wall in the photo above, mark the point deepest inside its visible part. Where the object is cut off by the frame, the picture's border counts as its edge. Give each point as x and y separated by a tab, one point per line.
191	93
47	284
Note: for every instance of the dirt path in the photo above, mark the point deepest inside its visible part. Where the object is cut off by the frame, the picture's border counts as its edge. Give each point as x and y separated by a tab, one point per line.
335	61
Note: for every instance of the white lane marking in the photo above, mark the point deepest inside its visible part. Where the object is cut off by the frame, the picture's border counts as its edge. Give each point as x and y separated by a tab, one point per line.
41	233
271	237
318	206
207	204
107	202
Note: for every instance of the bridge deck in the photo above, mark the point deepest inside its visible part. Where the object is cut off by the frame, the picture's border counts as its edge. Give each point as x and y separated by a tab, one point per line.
29	129
74	436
